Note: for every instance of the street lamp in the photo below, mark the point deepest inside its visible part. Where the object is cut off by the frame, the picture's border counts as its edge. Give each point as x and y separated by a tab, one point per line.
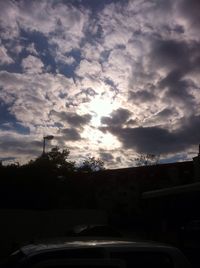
49	137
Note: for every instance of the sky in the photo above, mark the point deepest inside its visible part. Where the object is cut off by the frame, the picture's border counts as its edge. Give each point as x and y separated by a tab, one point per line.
112	79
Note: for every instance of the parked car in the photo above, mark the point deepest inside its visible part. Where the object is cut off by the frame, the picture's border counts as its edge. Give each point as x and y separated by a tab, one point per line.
97	253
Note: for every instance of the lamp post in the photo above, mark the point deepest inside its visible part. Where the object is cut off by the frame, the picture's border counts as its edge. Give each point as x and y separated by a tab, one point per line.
49	137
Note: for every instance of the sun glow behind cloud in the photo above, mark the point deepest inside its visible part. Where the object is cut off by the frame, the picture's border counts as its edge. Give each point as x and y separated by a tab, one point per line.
100	107
96	139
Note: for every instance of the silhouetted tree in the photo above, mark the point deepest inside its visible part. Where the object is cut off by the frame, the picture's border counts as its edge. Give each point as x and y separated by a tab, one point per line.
56	159
49	181
147	160
91	164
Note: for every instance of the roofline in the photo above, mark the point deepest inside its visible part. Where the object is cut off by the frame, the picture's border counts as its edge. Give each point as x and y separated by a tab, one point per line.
148	166
192	187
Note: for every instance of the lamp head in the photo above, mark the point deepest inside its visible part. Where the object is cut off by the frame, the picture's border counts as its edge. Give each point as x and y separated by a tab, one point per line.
49	137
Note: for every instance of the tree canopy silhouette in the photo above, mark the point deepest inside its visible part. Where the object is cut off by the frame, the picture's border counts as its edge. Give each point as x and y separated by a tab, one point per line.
56	159
147	160
91	164
51	180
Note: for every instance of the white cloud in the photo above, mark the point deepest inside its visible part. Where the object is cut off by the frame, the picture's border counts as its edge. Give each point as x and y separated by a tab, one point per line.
33	97
8	20
4	57
62	24
92	52
59	57
87	69
31	49
32	65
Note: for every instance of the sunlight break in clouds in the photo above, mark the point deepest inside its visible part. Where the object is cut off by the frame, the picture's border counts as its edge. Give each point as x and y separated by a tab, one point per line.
110	79
100	108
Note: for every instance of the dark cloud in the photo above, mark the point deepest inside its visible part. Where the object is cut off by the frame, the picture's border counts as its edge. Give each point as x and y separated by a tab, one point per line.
20	146
73	119
170	53
141	96
106	157
118	159
117	118
165	113
190	10
132	122
177	86
181	58
85	95
95	6
195	56
78	120
147	139
189	130
71	134
164	6
89	92
158	140
179	29
113	86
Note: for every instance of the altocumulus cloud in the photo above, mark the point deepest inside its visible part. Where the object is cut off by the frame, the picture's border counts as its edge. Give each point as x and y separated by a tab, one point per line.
113	78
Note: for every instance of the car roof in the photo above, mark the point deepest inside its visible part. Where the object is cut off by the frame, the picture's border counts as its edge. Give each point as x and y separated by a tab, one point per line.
65	244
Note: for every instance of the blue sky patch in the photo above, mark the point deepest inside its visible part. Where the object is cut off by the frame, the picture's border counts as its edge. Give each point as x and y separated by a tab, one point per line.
42	47
8	121
68	69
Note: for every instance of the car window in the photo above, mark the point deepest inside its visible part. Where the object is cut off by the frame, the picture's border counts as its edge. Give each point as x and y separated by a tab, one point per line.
144	259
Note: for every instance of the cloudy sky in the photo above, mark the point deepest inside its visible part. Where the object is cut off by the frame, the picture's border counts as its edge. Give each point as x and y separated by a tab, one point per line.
108	78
